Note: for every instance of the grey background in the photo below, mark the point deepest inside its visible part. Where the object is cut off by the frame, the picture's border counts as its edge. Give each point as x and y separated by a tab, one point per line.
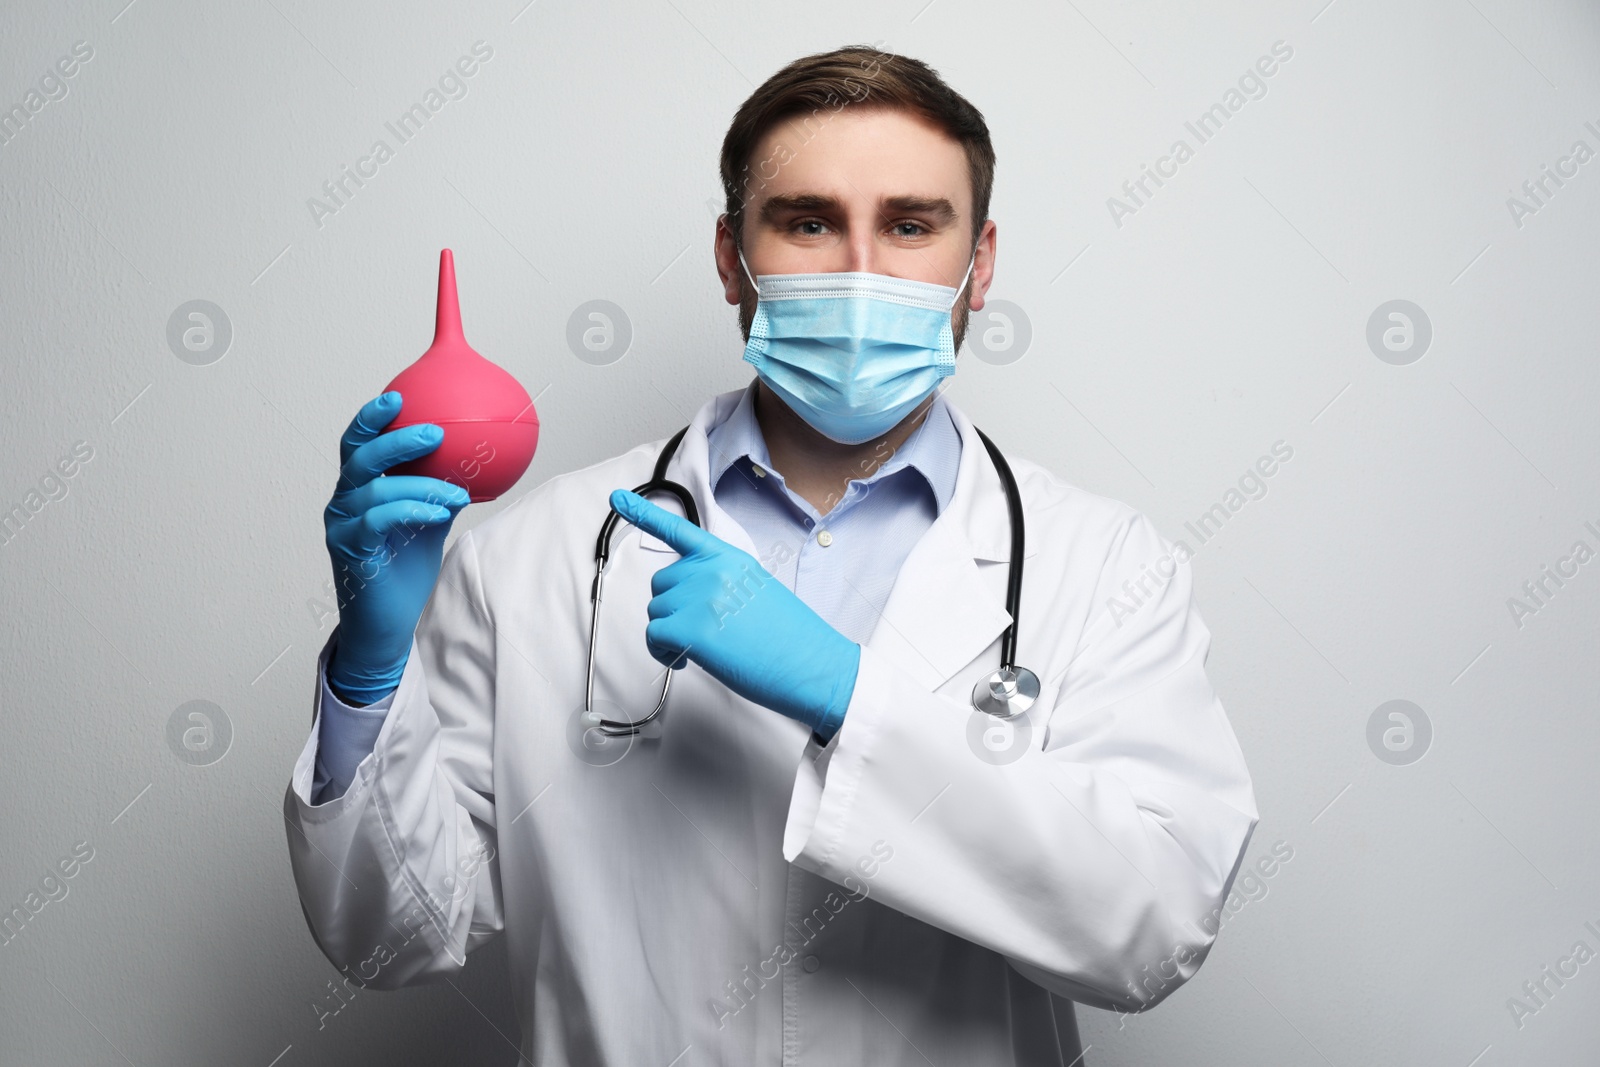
185	560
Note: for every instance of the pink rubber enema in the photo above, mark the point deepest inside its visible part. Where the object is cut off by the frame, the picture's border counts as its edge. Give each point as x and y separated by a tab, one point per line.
490	426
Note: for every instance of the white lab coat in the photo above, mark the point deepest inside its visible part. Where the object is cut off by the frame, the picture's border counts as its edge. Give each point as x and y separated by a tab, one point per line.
730	893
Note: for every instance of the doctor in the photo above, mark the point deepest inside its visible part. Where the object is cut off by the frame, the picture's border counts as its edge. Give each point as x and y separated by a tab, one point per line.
820	852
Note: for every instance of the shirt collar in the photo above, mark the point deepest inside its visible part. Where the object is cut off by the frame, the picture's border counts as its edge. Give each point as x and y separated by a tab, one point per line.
933	450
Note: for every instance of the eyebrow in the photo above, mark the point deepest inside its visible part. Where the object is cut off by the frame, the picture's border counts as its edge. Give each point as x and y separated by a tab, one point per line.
935	207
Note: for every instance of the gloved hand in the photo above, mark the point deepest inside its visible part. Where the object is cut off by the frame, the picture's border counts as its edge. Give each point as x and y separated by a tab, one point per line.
718	607
386	538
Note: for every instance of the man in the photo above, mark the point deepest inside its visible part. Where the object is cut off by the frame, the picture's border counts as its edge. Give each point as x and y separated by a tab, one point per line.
820	853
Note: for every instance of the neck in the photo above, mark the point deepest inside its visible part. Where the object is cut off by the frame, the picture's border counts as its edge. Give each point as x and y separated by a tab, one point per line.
818	468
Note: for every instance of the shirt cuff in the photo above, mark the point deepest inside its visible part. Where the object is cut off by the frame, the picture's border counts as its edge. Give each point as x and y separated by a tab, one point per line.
346	736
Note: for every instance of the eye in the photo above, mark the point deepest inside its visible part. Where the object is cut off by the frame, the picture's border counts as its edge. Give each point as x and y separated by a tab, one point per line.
801	227
908	228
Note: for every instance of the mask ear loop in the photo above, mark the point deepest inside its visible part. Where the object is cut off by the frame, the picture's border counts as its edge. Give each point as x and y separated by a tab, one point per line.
947	348
756	343
747	273
964	278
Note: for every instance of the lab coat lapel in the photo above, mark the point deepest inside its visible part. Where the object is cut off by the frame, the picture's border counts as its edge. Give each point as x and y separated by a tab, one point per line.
948	602
691	466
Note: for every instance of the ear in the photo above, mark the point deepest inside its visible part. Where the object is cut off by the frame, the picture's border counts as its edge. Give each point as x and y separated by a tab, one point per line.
726	253
983	268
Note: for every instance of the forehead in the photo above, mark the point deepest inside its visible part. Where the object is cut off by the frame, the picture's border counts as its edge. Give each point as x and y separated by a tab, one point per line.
858	154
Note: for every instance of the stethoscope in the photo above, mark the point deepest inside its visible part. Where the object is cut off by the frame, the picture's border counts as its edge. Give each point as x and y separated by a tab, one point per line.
1004	694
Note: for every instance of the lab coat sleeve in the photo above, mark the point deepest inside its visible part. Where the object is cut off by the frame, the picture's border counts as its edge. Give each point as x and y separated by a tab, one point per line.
1096	861
399	877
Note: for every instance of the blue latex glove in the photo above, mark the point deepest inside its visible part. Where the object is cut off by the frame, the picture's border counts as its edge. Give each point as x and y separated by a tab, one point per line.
386	539
718	607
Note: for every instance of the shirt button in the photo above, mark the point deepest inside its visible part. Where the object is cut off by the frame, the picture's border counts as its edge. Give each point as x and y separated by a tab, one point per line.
811	963
757	468
824	538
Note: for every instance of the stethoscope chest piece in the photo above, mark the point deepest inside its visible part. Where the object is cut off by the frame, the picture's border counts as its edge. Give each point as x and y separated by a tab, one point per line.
1007	692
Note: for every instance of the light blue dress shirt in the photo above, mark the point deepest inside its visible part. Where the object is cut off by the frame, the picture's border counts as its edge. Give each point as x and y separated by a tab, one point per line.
842	564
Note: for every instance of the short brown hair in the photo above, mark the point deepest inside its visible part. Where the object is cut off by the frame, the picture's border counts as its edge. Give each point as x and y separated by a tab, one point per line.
859	76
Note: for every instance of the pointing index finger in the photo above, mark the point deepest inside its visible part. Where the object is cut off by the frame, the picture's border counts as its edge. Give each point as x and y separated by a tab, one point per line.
684	536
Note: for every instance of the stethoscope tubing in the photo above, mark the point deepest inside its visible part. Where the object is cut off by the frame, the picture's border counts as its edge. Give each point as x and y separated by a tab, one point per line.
1008	640
659	483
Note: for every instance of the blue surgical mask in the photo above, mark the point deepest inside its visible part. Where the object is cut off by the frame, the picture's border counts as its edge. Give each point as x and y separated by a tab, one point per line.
852	353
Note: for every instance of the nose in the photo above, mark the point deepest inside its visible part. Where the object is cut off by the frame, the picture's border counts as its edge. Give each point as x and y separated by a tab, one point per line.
863	256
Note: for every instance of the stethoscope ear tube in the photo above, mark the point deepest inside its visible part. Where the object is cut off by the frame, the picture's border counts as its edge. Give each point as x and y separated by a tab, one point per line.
1008	641
658	483
1011	690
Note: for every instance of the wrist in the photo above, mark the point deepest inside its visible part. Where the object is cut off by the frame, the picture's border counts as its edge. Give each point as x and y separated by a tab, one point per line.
824	730
842	687
356	695
358	684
